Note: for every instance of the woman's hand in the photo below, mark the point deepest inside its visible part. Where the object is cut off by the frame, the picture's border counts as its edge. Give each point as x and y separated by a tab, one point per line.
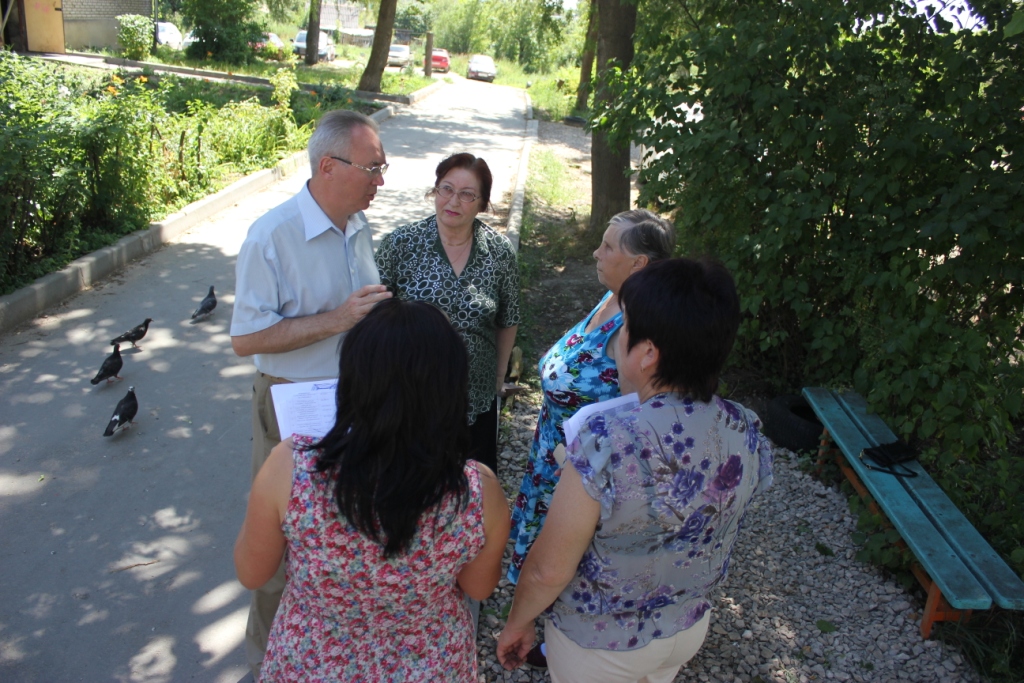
514	644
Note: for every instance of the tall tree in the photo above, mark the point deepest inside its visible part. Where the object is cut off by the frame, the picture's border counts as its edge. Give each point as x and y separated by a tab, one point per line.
313	33
374	71
609	182
587	59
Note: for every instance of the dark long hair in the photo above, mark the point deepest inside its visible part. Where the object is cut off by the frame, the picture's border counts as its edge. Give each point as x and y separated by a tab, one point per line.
400	439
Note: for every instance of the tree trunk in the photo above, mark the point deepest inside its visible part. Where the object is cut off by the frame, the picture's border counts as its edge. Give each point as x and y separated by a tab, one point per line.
313	33
428	55
609	182
370	80
587	60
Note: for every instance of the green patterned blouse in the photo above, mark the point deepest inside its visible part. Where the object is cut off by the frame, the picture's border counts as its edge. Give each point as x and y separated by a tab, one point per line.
484	298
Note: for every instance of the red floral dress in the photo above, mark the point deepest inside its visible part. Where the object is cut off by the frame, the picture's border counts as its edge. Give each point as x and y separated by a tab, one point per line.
348	614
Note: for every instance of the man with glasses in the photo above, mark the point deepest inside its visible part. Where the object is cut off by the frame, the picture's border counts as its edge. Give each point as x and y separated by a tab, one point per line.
305	275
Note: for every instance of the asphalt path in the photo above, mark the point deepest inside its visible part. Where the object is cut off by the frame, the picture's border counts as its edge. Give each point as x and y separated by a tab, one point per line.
116	552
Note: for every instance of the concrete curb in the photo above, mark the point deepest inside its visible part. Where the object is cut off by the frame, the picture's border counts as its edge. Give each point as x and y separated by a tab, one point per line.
515	214
48	291
411	98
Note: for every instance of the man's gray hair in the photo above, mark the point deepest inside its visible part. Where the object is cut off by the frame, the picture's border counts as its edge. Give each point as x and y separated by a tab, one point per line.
333	135
645	233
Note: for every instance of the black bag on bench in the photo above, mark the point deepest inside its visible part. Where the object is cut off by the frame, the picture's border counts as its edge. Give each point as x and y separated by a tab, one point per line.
889	458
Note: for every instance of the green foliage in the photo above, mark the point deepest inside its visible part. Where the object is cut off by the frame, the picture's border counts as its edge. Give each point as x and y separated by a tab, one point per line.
225	30
993	642
857	170
82	169
135	34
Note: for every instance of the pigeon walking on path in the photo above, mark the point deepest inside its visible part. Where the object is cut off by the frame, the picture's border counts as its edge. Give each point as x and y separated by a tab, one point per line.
124	413
133	335
111	366
206	306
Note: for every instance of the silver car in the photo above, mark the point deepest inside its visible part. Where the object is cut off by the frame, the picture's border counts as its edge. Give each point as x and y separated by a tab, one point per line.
481	67
325	49
399	55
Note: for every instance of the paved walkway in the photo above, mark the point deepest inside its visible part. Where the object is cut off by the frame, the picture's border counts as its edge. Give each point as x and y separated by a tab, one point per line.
116	558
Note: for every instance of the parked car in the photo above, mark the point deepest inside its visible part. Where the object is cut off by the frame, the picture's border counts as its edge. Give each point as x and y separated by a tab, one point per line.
399	55
273	40
440	60
481	67
168	34
325	49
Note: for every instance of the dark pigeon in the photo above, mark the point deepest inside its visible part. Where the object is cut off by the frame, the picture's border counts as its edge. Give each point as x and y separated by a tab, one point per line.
124	413
133	335
206	306
111	366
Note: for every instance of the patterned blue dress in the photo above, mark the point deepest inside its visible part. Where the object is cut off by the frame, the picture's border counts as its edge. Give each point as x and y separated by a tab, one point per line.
575	372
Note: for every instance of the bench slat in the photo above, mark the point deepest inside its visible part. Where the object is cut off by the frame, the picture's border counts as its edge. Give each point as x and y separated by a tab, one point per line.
958	584
1002	583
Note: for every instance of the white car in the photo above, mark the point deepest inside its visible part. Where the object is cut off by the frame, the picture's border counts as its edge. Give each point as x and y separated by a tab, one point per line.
399	55
481	67
168	34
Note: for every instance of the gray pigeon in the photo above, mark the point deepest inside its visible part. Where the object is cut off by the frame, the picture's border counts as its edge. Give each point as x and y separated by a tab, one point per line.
111	366
133	335
124	413
206	306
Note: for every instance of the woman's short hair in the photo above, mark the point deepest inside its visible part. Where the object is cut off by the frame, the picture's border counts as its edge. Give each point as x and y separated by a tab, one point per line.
473	164
333	135
400	439
690	311
645	233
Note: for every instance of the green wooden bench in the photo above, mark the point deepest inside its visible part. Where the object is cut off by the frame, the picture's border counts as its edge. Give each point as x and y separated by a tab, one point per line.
958	569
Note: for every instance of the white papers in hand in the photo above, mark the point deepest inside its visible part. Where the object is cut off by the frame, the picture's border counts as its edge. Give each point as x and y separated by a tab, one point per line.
573	425
305	408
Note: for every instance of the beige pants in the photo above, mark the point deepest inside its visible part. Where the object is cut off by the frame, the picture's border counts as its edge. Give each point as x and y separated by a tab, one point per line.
266	599
657	662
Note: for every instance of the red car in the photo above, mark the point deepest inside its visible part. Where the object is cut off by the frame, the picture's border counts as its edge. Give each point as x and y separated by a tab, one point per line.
440	60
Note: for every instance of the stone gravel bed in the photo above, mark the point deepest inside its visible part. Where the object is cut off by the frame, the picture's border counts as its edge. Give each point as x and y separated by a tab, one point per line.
768	617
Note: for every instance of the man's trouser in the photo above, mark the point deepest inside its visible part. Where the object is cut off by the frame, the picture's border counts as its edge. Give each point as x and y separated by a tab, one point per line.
265	599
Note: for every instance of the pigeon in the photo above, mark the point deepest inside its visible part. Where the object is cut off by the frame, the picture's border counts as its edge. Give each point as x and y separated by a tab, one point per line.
111	366
133	335
206	306
124	413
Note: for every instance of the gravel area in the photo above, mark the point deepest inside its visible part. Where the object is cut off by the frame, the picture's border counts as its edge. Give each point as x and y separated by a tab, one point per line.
765	627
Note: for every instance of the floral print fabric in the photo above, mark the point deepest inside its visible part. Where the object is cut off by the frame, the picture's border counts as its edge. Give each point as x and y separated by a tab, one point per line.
574	372
412	262
674	477
348	614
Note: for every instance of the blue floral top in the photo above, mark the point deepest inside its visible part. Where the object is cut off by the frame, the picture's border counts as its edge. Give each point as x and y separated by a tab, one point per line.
674	477
575	372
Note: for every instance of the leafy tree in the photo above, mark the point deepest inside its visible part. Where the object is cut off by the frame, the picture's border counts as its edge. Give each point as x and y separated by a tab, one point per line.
413	16
527	31
461	26
225	30
374	71
858	167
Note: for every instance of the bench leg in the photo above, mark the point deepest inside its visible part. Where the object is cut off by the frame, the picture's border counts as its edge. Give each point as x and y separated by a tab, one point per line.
935	608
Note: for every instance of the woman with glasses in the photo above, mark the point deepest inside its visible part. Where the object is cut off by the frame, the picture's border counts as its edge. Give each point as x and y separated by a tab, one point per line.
468	270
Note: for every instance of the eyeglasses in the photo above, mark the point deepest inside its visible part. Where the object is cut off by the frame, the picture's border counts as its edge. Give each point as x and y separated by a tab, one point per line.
374	171
465	196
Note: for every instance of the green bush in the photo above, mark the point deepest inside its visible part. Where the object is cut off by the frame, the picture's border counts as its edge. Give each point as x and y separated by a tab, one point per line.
860	172
135	34
80	170
225	30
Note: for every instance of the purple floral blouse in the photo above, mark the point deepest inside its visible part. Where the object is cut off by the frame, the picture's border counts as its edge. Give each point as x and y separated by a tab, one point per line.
674	477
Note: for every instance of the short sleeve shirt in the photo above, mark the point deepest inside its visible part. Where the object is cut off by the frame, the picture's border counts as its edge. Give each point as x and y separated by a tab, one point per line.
484	298
674	477
293	263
